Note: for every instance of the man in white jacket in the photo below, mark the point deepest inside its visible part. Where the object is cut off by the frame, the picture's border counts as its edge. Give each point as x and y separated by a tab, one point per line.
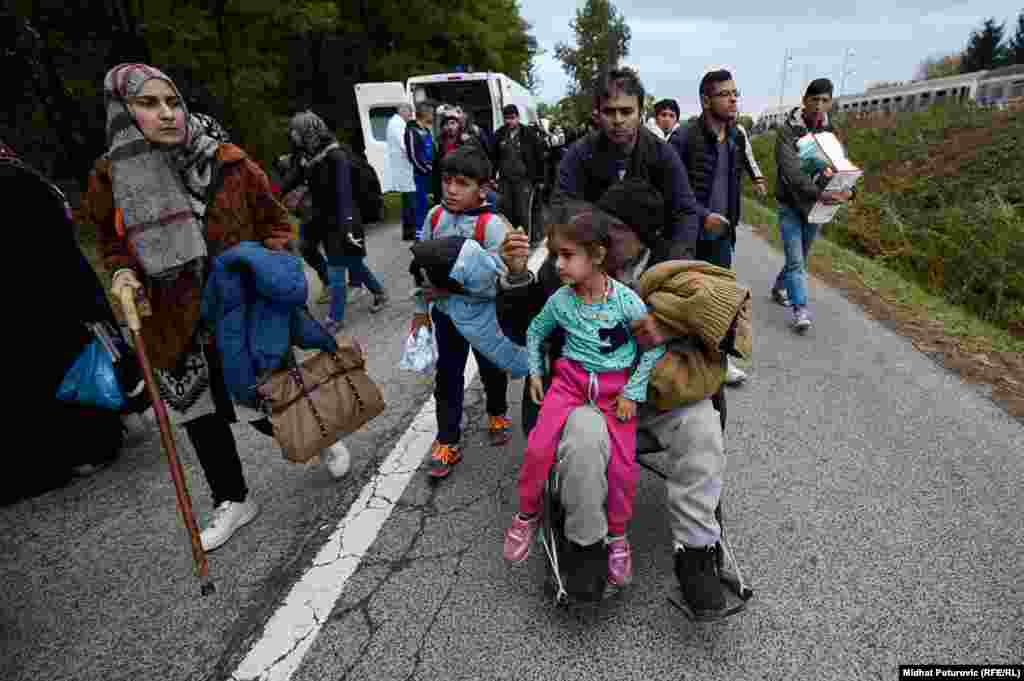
666	118
400	176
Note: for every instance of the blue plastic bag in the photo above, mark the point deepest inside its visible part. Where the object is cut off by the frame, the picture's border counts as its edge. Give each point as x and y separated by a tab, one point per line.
91	380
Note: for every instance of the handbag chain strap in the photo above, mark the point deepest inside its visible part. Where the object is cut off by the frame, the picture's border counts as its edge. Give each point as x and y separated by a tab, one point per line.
348	379
297	376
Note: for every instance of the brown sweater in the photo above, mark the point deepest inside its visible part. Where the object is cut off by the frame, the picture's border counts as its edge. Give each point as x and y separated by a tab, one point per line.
243	209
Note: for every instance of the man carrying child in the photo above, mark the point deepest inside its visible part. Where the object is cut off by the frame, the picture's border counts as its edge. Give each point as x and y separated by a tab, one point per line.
656	225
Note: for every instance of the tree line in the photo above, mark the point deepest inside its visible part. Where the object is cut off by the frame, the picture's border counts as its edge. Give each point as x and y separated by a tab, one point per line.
989	46
249	63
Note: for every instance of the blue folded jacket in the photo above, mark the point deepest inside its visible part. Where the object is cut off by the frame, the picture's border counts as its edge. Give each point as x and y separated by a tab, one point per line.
474	313
255	300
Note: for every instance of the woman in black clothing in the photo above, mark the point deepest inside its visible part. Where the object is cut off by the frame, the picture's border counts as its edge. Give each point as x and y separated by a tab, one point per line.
69	438
337	221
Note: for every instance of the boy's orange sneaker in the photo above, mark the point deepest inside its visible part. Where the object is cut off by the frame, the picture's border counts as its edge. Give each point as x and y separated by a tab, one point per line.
500	430
442	458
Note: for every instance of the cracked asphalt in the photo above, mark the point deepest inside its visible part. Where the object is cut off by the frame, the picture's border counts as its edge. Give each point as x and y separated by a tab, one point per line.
872	499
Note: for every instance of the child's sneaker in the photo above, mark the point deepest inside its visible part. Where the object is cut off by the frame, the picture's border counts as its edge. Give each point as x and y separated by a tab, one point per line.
780	296
499	428
518	538
442	458
620	562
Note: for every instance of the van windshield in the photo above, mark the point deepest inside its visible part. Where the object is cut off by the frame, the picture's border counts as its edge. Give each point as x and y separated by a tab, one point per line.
472	95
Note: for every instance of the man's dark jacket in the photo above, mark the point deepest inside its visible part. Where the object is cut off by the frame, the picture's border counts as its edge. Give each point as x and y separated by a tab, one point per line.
794	187
530	146
697	147
589	169
337	213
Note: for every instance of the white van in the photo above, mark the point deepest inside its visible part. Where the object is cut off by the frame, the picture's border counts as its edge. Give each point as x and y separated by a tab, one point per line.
480	94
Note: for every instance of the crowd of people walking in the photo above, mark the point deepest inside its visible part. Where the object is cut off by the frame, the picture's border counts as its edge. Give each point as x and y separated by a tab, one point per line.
636	210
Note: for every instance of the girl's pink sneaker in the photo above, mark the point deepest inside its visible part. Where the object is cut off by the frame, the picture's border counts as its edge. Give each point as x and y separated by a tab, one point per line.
620	562
518	538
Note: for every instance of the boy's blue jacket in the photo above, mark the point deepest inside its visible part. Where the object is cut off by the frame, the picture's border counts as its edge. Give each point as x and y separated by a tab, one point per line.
476	268
255	301
475	315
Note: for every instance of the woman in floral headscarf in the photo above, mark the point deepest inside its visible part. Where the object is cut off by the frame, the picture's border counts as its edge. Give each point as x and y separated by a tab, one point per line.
166	198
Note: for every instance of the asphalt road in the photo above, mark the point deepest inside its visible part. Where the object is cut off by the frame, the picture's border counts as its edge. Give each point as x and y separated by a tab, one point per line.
872	498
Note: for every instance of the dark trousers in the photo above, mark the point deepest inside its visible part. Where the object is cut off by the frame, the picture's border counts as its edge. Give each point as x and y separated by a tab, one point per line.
214	442
515	201
716	251
409	225
449	382
422	205
311	240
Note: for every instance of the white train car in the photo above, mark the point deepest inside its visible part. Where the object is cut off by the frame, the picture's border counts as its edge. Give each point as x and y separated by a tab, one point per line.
998	86
912	96
987	88
773	117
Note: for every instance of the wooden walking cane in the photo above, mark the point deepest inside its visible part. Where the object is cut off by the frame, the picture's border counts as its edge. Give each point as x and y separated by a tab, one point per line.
131	313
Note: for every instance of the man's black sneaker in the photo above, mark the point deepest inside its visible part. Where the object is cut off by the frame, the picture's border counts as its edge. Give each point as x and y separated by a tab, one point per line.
586	571
697	572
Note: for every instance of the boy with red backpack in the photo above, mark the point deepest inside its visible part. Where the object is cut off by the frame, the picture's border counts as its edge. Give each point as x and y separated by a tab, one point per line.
466	213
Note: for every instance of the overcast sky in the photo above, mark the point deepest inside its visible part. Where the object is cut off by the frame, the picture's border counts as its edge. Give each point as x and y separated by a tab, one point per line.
674	43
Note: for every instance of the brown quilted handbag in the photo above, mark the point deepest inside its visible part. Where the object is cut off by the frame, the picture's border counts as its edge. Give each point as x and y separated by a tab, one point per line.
314	404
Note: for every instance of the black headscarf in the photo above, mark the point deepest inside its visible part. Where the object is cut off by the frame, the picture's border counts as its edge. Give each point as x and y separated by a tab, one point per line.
74	295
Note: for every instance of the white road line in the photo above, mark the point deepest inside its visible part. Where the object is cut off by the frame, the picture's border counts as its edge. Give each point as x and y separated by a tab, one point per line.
291	630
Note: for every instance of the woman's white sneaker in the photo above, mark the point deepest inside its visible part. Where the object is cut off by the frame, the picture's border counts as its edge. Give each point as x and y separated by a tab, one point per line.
337	460
227	519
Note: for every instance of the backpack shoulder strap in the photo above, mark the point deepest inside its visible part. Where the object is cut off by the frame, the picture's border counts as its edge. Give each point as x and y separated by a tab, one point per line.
480	233
742	139
435	219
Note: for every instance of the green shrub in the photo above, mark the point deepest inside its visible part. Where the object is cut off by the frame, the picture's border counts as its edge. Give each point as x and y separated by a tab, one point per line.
944	203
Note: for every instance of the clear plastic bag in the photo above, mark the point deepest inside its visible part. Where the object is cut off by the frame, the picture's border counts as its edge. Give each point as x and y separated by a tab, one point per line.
420	352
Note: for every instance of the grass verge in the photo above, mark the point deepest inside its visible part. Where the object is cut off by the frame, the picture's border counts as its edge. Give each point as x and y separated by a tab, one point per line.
979	351
941	203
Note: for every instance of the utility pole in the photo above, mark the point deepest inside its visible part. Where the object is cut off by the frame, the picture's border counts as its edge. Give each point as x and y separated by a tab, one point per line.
846	70
787	64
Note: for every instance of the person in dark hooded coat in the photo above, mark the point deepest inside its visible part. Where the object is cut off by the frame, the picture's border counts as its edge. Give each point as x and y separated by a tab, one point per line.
61	326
